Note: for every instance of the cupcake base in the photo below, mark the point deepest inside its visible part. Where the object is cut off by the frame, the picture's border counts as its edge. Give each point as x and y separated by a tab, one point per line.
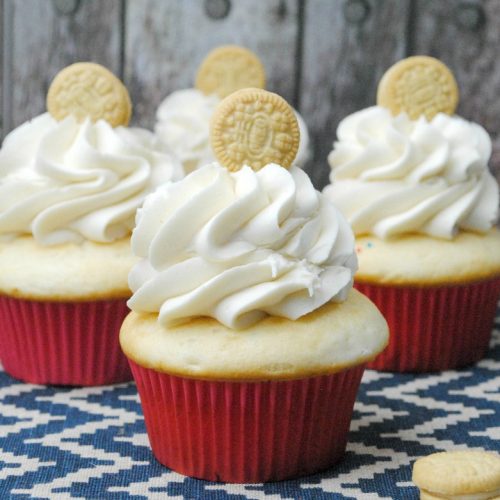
63	343
247	432
434	328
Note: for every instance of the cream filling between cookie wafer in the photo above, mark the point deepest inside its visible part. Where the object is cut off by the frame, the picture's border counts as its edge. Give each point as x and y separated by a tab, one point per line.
475	496
239	246
67	181
182	122
392	175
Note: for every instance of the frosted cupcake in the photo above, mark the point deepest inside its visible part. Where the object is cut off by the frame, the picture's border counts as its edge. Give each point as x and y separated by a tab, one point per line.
182	119
416	188
69	190
245	338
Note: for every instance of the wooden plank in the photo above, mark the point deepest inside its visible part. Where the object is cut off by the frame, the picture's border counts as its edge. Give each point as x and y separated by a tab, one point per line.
44	40
166	42
347	48
466	37
5	42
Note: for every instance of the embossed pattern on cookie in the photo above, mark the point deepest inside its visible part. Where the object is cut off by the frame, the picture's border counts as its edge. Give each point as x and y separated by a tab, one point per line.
454	473
254	127
419	86
230	68
89	90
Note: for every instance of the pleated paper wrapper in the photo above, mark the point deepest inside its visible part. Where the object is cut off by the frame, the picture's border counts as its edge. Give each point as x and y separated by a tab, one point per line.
247	432
63	343
434	328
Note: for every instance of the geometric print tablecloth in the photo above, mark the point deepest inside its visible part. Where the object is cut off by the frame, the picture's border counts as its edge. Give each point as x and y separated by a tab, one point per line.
61	443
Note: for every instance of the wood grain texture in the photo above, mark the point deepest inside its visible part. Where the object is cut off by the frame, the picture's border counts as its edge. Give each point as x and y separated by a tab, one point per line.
469	44
315	52
166	42
44	41
343	63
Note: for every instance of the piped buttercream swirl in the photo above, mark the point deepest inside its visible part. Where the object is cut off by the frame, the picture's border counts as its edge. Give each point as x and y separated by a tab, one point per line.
239	246
182	122
392	175
68	181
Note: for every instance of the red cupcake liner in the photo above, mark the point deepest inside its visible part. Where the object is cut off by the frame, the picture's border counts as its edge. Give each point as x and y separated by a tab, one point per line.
247	432
434	328
63	343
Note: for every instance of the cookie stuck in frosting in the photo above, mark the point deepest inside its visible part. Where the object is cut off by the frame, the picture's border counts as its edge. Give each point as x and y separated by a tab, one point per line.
254	127
229	68
89	90
418	86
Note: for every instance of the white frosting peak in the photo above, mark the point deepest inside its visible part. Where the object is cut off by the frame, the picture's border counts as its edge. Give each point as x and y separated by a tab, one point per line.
68	181
392	175
182	122
239	246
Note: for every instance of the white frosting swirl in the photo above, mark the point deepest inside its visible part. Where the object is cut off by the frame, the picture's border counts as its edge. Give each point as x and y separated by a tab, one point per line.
239	246
391	175
67	181
182	122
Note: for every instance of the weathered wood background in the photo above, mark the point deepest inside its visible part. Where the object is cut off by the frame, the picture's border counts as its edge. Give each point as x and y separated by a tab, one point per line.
324	56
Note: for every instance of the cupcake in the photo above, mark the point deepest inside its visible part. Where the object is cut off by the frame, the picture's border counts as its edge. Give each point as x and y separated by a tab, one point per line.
412	178
246	340
182	119
70	183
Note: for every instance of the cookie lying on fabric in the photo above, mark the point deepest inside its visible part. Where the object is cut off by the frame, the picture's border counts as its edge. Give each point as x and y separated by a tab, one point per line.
470	474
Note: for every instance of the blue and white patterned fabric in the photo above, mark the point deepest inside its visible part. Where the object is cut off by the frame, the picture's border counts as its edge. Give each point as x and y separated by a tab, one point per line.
62	443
